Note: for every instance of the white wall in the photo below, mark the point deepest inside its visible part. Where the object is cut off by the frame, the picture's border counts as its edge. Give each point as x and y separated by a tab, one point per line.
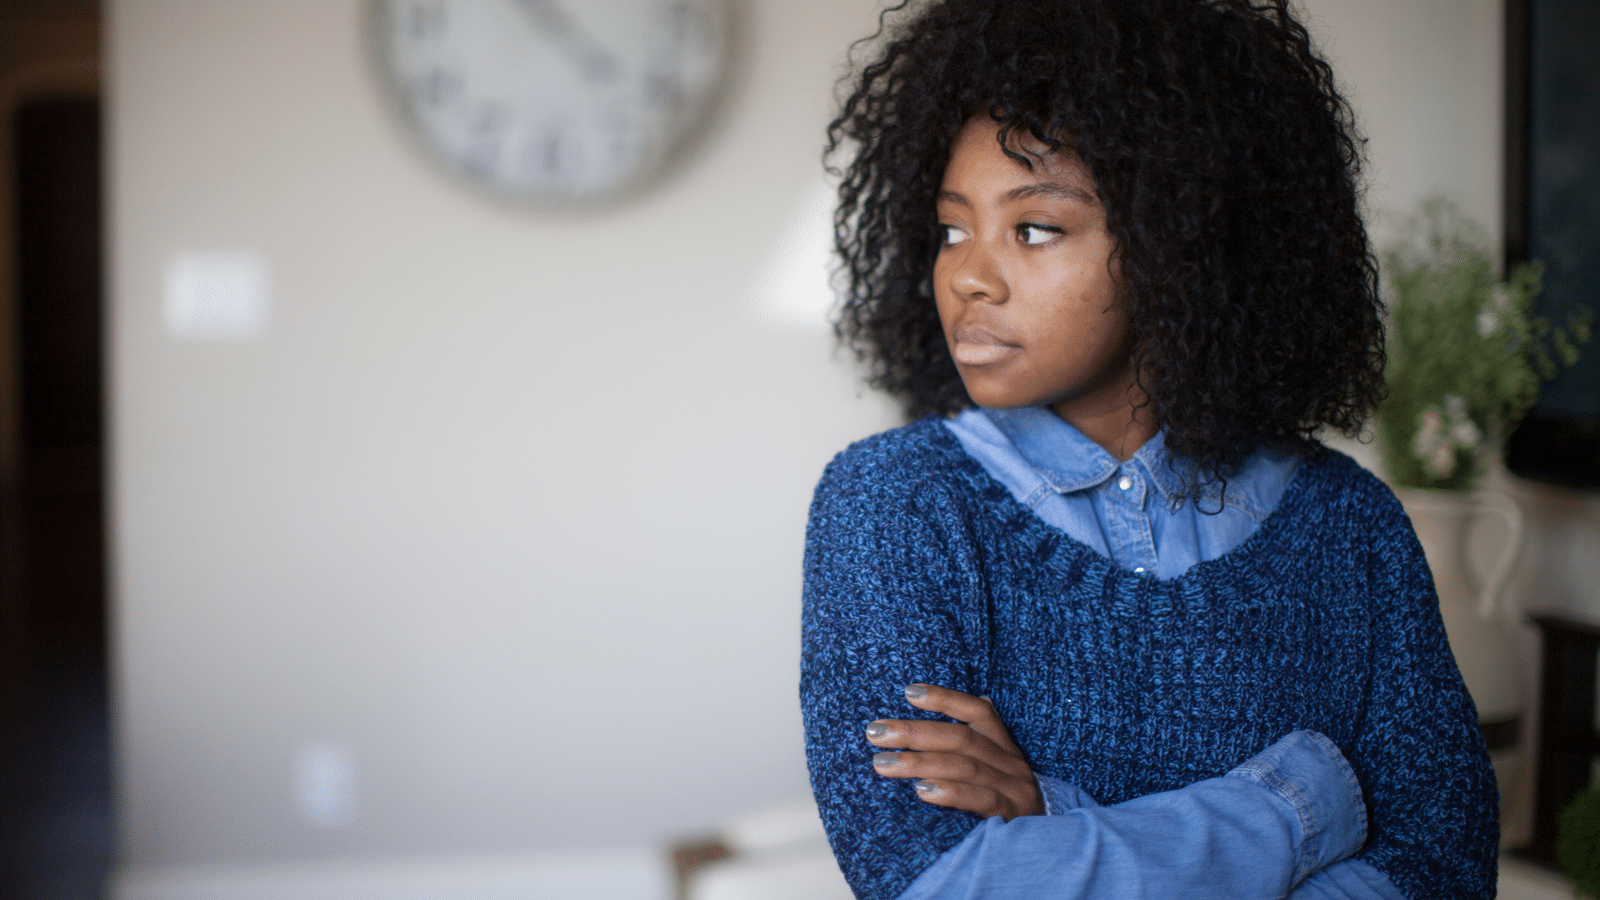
510	504
1425	79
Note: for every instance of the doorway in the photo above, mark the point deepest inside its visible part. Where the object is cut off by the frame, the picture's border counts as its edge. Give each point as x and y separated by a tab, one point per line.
55	762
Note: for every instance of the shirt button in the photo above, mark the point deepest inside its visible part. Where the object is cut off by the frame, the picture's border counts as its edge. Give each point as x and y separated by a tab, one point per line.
1125	482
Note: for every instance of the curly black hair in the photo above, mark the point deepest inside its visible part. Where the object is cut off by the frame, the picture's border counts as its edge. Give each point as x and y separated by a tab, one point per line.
1229	167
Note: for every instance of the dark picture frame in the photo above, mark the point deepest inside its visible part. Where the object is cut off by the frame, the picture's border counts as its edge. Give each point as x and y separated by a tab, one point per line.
1552	213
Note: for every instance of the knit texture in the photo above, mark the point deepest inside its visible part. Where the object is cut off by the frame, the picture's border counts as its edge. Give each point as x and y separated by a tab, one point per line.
920	567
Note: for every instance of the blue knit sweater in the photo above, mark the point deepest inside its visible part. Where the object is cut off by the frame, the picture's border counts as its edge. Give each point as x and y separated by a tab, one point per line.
921	568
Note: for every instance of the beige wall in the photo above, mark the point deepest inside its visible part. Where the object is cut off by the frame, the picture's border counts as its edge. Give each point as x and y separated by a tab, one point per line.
510	504
1424	77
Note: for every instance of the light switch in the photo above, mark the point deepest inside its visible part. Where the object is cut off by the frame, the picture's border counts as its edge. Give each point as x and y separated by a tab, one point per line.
217	296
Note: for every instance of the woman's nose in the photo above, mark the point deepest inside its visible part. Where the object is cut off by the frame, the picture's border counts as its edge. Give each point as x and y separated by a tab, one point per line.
978	275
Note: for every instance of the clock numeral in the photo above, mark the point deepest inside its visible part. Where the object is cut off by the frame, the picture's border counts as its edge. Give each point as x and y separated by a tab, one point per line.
438	87
681	35
482	158
624	146
552	158
490	119
663	89
548	160
685	25
425	20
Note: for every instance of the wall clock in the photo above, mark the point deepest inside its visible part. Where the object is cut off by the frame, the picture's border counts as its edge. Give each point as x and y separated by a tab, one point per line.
554	102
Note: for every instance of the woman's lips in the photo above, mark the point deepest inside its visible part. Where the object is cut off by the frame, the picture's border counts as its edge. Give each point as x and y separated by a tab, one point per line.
979	347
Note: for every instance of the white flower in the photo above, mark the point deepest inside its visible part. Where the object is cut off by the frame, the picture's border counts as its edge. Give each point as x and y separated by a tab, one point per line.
1465	434
1440	433
1430	433
1443	460
1488	322
1489	317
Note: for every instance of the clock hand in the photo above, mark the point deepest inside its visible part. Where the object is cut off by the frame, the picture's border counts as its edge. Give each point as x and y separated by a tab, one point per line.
596	62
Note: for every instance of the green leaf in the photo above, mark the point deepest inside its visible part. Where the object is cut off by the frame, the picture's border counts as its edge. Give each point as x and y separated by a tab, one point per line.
1578	842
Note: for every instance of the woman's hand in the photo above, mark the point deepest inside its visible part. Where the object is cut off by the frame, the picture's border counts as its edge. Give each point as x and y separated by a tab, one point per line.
969	764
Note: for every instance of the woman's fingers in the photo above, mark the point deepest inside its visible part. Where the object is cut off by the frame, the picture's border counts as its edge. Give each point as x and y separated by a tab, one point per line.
937	766
971	764
984	801
977	712
946	737
955	780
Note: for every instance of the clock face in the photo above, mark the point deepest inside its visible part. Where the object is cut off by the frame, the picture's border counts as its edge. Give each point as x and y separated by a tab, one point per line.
555	101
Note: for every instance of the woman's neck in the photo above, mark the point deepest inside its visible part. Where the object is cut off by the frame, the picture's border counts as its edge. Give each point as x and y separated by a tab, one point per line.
1118	418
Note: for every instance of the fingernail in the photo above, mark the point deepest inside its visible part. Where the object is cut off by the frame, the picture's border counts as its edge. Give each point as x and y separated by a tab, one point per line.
916	691
885	760
924	786
877	730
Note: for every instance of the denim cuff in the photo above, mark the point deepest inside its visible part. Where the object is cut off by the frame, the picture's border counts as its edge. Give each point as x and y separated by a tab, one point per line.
1061	797
1311	775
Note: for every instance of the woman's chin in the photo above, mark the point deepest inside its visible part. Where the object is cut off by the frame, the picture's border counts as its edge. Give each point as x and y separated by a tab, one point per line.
986	397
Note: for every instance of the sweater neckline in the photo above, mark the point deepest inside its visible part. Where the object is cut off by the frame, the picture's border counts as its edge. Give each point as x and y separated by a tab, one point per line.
1008	508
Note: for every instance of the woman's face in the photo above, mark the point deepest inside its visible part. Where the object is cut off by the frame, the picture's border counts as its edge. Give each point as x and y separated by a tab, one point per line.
1026	284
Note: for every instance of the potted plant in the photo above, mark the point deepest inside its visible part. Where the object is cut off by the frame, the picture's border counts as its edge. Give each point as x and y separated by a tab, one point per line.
1466	352
1466	357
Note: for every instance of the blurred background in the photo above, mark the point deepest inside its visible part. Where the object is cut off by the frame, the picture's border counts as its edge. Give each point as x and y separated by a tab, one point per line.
472	564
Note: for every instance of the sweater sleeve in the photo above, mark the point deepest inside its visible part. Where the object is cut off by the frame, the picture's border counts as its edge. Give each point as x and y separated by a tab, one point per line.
885	604
1433	809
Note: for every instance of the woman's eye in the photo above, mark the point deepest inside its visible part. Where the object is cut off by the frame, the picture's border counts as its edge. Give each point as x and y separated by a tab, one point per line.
952	234
1036	234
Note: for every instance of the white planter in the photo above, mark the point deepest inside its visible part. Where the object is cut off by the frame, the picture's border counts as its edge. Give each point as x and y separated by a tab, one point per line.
1470	585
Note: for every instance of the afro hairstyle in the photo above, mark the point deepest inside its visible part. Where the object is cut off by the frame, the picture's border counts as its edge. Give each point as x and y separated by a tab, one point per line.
1229	168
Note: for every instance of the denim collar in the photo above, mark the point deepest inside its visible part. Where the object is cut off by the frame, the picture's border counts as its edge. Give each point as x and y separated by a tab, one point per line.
1069	462
1064	458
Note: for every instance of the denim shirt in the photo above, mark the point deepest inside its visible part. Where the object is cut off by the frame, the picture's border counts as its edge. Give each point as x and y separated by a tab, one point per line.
1134	513
1284	822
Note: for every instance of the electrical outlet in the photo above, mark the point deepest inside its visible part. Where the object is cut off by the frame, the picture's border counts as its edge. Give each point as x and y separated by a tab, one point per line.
325	783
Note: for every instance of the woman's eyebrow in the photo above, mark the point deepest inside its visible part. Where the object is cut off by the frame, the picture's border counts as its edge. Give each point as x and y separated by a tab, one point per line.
1056	189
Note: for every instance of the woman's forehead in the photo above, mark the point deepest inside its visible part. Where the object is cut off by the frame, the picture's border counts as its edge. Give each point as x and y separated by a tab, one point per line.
981	136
